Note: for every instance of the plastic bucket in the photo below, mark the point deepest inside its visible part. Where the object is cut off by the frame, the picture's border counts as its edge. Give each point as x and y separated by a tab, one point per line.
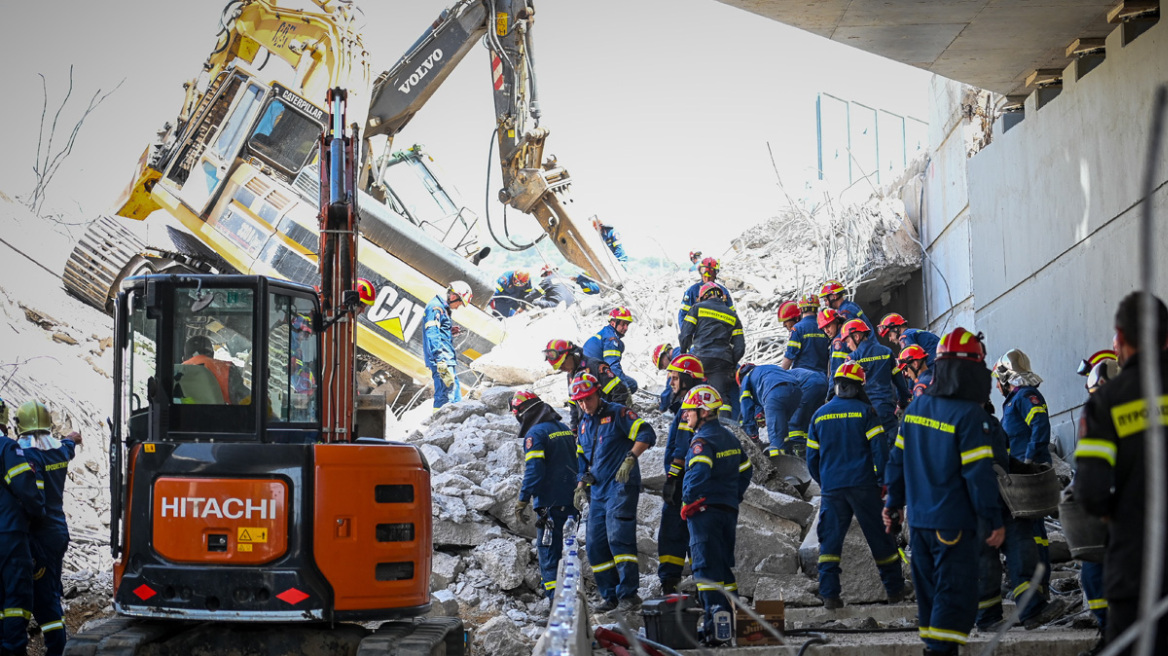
1086	534
1031	496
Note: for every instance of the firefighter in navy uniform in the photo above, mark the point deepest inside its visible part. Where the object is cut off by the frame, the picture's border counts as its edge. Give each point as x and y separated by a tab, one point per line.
663	354
774	393
884	389
846	457
717	473
21	498
894	328
708	270
438	342
1027	424
912	363
713	332
1111	481
832	295
612	437
608	345
565	356
685	372
50	534
808	346
831	322
512	291
611	238
549	476
942	467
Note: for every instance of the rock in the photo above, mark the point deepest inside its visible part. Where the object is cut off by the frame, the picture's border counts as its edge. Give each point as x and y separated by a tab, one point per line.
443	604
751	516
503	562
794	591
456	413
500	635
436	457
444	570
859	579
652	464
755	546
506	456
498	399
779	504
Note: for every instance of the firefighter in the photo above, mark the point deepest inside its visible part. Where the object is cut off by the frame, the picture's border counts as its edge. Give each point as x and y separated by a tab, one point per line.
608	345
438	342
694	258
21	500
512	290
893	328
549	451
832	295
831	321
913	364
663	354
1027	424
50	534
586	284
774	393
708	270
846	457
553	291
941	466
713	332
789	314
717	474
876	359
808	345
565	356
1088	365
611	238
612	437
685	372
1111	481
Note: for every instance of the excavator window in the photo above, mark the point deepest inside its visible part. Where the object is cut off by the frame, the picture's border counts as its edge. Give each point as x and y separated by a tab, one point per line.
293	361
284	137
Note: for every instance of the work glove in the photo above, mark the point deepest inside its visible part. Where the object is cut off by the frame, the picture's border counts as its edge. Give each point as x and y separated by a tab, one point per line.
521	510
580	497
455	331
671	492
626	468
445	374
692	508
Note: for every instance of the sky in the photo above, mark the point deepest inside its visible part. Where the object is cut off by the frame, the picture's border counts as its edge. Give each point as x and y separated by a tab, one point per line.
661	110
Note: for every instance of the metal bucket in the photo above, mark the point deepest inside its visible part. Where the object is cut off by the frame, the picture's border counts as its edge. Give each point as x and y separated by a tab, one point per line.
1030	496
793	470
1086	534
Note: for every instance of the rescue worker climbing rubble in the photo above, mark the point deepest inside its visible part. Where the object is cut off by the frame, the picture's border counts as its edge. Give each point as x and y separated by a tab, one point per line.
807	346
608	345
685	372
49	534
549	455
774	394
438	342
21	498
714	334
717	474
565	356
512	289
846	457
611	238
708	270
1112	478
894	328
612	437
941	466
832	295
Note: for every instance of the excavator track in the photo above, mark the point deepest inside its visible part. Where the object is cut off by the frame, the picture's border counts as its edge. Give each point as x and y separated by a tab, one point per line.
98	261
440	636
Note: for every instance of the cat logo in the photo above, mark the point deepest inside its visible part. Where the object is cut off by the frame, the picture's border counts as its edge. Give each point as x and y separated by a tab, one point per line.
396	313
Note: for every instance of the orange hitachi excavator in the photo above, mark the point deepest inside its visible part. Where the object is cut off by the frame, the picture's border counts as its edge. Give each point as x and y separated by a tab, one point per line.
248	516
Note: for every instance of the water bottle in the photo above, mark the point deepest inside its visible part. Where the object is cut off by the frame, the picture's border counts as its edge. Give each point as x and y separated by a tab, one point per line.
723	628
546	538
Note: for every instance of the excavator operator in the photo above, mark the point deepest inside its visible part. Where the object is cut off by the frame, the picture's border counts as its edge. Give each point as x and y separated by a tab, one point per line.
200	351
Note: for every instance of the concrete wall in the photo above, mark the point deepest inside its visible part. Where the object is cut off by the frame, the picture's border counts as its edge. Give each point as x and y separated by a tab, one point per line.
1037	234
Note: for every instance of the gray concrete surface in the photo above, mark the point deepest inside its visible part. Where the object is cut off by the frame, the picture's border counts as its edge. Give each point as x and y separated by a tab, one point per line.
1017	642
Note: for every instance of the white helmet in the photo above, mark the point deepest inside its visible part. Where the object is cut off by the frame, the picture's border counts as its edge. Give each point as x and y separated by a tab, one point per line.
461	290
1101	373
1014	368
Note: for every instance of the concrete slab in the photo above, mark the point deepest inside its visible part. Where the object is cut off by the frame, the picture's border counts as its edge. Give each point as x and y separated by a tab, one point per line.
1017	642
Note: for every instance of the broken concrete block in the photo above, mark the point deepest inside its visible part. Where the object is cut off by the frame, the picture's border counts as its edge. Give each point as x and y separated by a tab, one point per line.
444	570
779	504
503	561
500	635
859	578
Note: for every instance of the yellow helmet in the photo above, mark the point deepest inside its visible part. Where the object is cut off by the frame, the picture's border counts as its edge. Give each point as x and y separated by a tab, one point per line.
33	416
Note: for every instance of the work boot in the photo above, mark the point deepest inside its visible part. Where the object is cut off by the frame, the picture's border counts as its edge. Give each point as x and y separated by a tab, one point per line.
629	605
669	586
605	606
832	603
1053	610
797	450
897	597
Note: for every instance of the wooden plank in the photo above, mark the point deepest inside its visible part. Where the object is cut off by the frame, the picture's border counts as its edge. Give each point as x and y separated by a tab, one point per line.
1014	103
1084	45
1044	76
1130	8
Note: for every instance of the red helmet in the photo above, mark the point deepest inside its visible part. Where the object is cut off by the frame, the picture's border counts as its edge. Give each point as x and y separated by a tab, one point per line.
583	385
688	364
909	354
854	326
660	351
710	263
522	276
693	255
366	290
620	314
704	397
827	316
1087	365
889	321
547	270
852	371
521	398
831	287
555	352
743	371
789	311
809	302
708	268
962	344
708	289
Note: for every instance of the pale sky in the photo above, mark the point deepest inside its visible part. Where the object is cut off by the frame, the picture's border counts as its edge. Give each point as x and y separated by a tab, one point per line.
660	109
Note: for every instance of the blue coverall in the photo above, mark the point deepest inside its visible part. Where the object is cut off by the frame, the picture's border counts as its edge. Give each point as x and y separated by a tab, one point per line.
586	284
924	339
511	294
814	388
438	346
941	465
1027	423
846	456
605	439
673	535
924	379
690	298
612	239
667	394
718	470
775	392
852	311
608	347
50	540
549	479
808	346
21	498
837	355
881	386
